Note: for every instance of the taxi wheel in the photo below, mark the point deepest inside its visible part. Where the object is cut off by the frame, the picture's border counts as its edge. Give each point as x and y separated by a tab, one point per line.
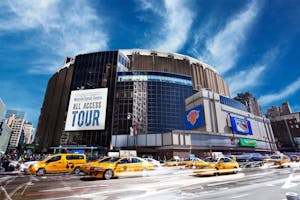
235	170
40	172
77	170
216	172
108	174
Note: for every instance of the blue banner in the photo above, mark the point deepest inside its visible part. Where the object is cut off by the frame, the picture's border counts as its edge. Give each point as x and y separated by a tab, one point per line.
194	118
241	126
79	151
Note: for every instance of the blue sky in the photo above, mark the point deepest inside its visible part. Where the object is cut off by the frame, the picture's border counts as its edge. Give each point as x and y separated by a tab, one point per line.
253	44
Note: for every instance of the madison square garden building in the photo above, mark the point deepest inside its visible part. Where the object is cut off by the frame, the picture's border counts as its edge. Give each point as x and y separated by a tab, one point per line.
157	103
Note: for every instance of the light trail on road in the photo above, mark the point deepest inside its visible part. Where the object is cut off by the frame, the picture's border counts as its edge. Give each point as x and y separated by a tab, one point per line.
169	183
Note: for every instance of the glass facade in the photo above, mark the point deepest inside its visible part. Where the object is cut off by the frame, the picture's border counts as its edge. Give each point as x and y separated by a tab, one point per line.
95	70
150	102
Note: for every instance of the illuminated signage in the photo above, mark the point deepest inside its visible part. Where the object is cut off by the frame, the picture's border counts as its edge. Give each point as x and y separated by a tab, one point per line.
87	110
194	118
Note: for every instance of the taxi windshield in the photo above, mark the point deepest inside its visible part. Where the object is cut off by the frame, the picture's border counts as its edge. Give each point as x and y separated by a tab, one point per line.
105	159
112	160
275	157
48	158
211	160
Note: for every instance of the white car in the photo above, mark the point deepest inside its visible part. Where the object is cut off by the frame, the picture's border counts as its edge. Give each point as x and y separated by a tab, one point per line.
154	162
24	166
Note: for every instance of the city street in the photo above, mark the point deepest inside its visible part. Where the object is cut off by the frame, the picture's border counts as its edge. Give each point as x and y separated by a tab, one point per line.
163	183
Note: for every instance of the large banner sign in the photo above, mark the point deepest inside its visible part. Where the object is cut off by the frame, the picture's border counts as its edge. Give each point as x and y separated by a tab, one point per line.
194	118
241	126
87	110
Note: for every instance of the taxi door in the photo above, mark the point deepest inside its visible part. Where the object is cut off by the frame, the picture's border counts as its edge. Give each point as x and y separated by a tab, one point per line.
231	163
70	163
221	164
137	165
228	164
124	165
55	164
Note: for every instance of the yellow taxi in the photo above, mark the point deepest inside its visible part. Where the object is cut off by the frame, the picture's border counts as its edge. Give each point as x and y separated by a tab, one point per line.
119	165
194	162
172	163
216	166
86	168
281	161
58	163
294	158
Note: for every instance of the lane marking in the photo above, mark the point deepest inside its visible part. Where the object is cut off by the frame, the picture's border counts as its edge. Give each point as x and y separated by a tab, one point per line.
68	188
239	196
288	183
16	189
5	192
221	183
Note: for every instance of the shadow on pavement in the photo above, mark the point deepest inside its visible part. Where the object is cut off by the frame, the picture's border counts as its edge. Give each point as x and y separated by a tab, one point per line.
89	179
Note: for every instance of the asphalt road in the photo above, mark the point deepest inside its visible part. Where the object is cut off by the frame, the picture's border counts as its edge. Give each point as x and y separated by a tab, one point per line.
164	183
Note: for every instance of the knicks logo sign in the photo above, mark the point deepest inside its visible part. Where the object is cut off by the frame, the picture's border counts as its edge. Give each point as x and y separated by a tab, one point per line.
193	116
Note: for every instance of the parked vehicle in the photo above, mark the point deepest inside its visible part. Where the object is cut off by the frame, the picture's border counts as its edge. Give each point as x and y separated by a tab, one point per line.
233	157
249	157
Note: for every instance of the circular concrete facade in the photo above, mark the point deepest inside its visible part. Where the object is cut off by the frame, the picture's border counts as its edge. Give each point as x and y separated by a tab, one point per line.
103	70
203	75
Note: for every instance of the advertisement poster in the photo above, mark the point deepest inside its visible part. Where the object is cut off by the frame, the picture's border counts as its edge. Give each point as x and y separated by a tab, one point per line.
87	110
241	126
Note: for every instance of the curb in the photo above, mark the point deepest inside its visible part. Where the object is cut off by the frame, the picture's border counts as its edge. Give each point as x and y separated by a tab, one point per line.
11	173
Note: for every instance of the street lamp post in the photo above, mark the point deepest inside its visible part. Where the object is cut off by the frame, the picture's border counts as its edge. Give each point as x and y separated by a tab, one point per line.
60	147
134	127
92	152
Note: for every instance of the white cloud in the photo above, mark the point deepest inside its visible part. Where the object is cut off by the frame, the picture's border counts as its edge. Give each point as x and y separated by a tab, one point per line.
45	66
223	49
177	20
252	77
245	79
66	28
281	95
